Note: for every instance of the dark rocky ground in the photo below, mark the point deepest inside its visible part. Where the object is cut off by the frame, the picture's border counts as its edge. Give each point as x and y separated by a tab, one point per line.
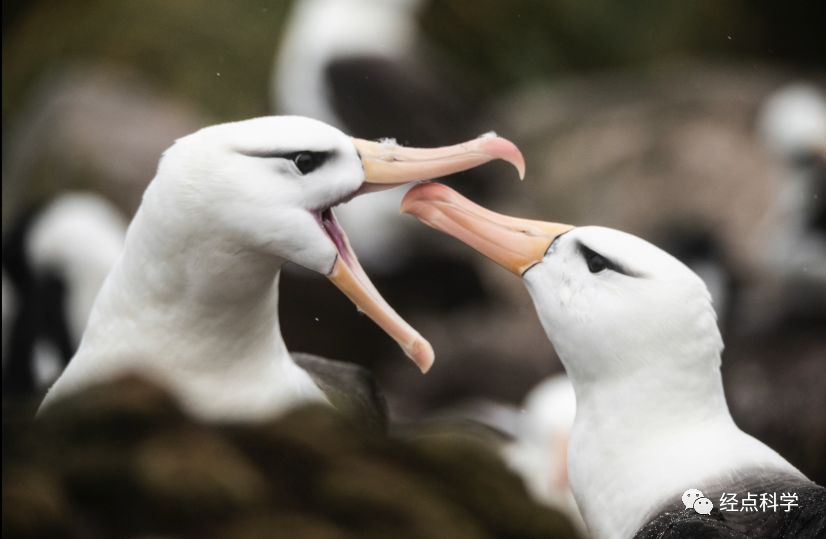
122	460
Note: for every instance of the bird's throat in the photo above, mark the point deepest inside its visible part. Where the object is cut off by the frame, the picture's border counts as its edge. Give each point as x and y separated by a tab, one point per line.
186	306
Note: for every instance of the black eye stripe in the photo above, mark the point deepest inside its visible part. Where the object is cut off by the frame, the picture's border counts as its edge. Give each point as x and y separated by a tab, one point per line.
305	160
598	263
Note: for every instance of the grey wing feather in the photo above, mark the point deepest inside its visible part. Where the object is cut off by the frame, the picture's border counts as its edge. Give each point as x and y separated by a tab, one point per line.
349	387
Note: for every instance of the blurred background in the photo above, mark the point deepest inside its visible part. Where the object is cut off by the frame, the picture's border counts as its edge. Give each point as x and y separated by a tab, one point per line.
699	126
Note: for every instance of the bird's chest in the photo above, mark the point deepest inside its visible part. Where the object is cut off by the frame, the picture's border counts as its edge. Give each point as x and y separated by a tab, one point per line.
247	393
606	484
213	378
618	474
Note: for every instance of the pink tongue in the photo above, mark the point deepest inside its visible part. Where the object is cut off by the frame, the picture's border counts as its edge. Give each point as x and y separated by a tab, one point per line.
336	233
350	277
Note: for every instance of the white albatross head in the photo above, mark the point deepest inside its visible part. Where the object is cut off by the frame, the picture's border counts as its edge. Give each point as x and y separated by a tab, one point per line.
267	187
610	302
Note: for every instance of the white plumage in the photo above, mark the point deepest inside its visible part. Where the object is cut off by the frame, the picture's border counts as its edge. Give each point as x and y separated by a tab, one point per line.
643	353
637	334
193	300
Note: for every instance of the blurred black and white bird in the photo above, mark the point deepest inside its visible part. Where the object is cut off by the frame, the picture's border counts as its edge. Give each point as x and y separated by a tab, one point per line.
55	260
365	67
792	126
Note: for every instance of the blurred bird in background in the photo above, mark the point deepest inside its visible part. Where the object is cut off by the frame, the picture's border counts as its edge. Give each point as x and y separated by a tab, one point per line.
57	258
792	125
539	452
365	67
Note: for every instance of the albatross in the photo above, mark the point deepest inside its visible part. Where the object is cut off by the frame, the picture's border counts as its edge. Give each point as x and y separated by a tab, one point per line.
637	335
57	257
192	302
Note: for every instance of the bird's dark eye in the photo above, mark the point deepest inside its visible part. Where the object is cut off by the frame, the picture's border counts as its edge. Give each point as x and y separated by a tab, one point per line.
307	162
596	262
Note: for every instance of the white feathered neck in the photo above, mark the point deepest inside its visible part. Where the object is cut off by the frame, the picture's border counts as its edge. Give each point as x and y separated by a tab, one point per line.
184	307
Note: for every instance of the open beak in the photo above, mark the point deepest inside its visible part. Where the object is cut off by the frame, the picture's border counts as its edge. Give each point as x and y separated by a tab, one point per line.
515	244
386	165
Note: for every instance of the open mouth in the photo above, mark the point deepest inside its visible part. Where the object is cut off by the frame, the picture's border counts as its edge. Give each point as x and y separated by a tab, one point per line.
329	224
385	164
348	275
